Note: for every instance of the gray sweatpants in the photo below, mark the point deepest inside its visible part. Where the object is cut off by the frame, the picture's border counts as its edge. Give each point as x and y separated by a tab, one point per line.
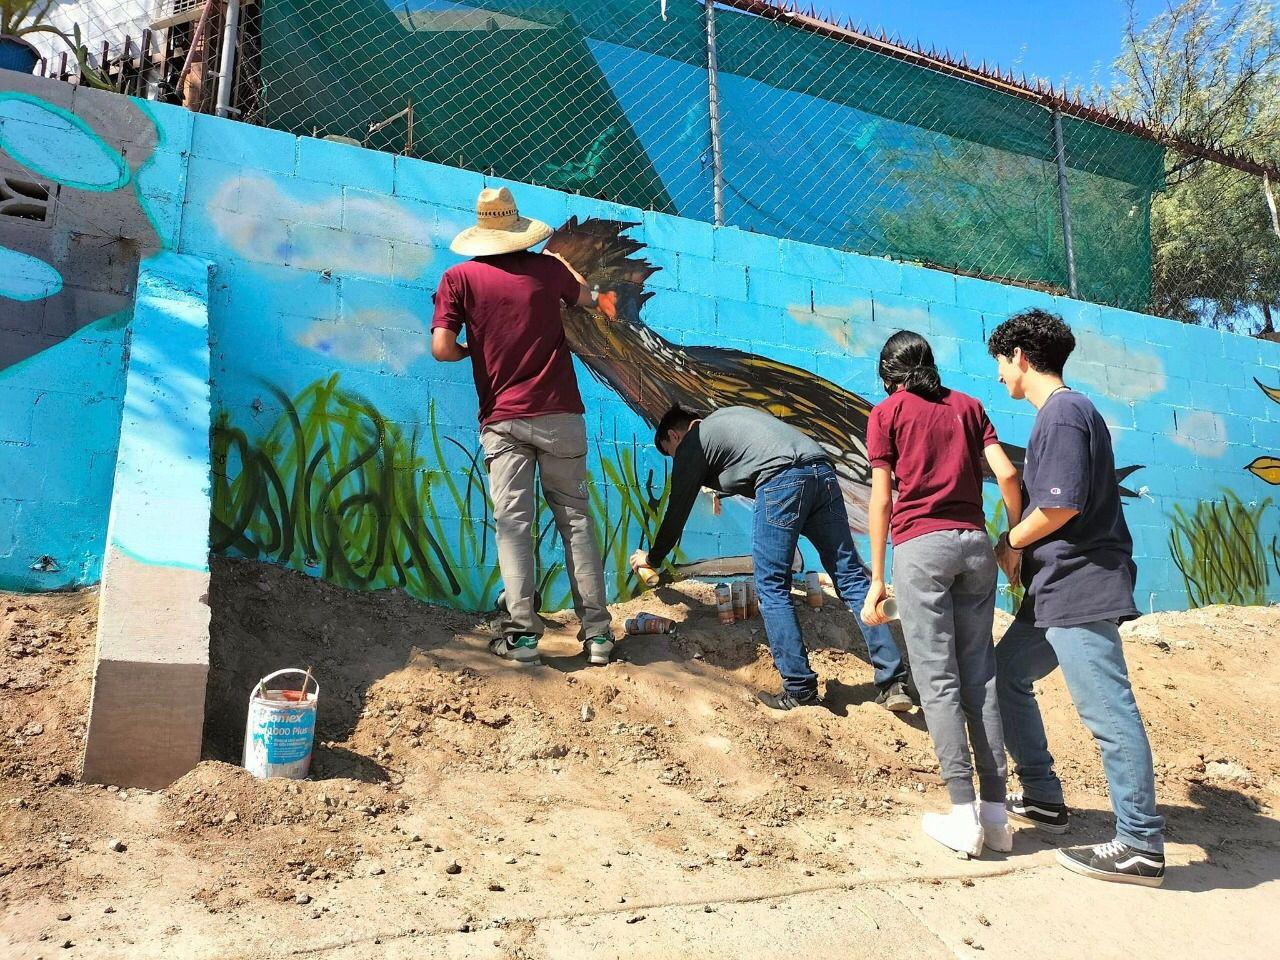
945	583
555	446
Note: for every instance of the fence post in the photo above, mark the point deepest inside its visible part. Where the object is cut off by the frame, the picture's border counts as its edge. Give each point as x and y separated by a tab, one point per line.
1064	203
227	71
713	103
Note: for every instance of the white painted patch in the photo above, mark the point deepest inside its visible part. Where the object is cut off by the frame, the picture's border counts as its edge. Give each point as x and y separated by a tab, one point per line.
1201	432
369	337
293	231
1143	372
861	327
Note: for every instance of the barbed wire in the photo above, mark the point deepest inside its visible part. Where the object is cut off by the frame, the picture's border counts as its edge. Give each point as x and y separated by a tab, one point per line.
747	113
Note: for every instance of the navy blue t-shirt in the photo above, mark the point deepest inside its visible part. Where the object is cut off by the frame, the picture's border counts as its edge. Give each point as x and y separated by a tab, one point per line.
1084	571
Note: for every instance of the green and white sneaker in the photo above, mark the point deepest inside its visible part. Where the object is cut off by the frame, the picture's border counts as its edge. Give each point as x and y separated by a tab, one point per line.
520	648
598	650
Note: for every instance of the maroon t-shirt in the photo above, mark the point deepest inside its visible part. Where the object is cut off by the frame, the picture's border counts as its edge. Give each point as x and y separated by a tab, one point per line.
934	448
510	305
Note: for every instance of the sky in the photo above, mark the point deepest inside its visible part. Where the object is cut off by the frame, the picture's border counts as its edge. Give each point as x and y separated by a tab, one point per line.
1062	41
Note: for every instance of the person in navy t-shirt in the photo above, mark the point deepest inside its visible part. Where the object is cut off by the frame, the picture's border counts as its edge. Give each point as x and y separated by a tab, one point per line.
1077	567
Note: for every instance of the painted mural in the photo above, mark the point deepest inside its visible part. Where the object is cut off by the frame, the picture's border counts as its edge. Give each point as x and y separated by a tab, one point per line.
340	448
652	373
336	489
73	230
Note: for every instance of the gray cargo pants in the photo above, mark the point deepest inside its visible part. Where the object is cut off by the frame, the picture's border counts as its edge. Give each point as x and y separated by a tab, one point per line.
945	583
555	446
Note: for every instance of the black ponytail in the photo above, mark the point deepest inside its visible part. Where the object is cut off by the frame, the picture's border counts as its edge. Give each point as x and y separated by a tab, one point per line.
906	360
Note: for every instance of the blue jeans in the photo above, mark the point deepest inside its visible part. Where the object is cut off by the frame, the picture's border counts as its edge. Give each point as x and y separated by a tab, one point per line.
1092	659
806	500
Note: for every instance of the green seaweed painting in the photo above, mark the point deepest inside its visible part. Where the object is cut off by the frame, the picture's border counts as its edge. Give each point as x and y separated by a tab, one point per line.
1222	553
336	488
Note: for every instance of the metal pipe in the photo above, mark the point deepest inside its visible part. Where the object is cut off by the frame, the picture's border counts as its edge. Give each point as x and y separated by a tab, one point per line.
713	103
1064	203
226	72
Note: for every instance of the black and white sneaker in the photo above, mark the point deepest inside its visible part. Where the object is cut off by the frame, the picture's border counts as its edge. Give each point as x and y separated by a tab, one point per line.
785	701
1115	861
1049	817
894	697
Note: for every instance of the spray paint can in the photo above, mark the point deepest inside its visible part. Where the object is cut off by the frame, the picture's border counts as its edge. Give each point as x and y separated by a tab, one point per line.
739	593
753	602
724	602
648	576
888	608
649	623
813	588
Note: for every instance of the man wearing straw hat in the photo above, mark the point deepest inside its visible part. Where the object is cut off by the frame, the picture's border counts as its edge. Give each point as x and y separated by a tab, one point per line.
531	414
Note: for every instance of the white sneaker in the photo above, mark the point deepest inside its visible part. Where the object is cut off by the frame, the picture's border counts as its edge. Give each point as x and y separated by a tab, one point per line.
998	836
598	650
959	830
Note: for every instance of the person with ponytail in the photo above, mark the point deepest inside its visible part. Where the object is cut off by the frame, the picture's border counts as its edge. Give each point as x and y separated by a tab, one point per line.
932	442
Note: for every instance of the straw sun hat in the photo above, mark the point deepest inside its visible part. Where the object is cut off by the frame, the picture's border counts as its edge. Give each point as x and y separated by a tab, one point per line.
499	227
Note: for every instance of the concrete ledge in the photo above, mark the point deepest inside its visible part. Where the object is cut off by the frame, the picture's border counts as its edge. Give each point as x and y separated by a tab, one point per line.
147	711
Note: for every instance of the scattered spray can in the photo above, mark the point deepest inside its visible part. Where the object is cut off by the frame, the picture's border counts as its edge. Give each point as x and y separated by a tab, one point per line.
739	593
649	623
724	602
753	602
813	588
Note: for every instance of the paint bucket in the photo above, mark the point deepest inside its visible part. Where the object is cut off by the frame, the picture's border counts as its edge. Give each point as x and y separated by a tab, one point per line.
753	602
888	608
813	588
281	729
724	602
649	623
738	590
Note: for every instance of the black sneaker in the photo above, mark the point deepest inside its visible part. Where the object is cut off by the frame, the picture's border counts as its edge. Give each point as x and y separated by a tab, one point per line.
1115	861
1049	817
785	701
895	697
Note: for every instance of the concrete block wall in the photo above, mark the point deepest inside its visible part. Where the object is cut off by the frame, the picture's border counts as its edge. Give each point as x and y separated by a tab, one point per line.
324	259
72	233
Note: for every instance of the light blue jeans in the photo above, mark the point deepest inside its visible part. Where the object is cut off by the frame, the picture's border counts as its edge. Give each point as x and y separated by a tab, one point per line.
1092	659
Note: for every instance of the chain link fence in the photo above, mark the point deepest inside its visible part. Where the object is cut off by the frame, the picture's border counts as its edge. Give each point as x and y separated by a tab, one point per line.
741	113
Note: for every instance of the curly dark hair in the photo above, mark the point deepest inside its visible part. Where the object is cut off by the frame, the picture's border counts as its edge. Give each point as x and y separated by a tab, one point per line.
1044	337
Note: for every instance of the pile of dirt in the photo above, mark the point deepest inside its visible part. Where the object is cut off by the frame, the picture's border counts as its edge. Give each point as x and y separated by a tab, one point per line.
443	771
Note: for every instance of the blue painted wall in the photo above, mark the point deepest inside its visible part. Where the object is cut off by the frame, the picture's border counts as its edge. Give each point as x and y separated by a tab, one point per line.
324	259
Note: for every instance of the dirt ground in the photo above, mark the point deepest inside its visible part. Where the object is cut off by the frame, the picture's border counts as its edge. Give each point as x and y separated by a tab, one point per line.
462	807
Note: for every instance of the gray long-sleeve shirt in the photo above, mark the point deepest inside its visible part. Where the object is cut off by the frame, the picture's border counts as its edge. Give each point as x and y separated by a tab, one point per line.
733	450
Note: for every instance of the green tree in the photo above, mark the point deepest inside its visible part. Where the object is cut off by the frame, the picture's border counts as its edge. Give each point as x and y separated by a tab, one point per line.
1208	72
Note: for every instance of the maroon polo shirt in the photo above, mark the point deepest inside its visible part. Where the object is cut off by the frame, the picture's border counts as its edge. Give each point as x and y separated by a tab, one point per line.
510	305
934	448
